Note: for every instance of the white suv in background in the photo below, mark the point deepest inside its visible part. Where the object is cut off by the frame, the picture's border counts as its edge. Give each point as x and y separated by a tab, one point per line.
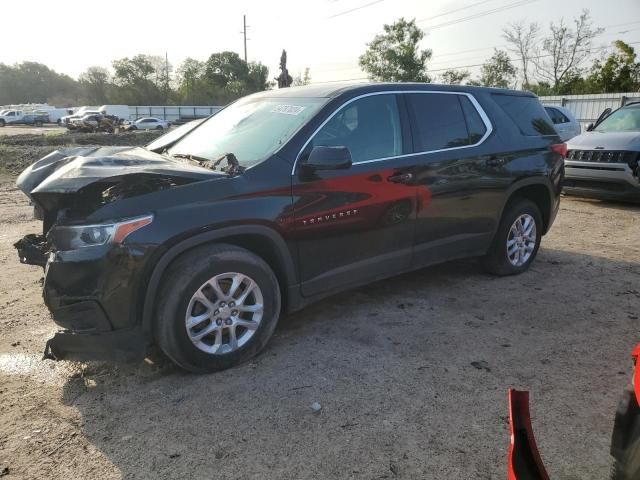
564	122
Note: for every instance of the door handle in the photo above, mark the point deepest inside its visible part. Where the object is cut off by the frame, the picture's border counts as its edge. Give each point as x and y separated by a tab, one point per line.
404	177
494	161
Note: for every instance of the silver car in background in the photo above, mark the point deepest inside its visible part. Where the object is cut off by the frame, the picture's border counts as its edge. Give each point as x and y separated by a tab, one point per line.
564	122
603	161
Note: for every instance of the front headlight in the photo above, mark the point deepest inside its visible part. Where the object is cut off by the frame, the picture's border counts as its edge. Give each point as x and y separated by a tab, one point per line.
82	236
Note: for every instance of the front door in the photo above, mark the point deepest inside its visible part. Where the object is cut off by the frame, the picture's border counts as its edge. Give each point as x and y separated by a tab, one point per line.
356	225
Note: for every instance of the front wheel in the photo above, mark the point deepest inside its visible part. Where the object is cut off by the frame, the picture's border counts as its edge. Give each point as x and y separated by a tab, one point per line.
517	240
2	123
218	307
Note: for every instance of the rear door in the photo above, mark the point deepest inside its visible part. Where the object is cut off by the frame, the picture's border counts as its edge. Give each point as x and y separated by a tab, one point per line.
456	172
357	225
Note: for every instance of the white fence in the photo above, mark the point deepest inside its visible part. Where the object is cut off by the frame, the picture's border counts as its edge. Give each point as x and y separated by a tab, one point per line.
171	113
587	108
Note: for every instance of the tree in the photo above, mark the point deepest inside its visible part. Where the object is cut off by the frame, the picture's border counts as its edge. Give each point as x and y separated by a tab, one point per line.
96	83
619	72
137	77
224	68
523	40
302	79
394	56
454	77
565	49
191	87
498	71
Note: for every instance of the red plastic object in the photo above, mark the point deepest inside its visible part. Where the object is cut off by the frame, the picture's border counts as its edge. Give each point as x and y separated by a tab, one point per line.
524	462
636	372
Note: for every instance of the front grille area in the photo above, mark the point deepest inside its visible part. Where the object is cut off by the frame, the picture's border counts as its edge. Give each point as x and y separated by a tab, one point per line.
604	156
607	156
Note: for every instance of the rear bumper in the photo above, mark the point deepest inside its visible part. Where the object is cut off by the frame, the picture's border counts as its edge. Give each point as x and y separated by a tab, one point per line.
608	181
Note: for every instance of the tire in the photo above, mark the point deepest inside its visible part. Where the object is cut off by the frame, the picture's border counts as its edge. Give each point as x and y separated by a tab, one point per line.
38	124
2	123
497	260
159	127
195	271
133	127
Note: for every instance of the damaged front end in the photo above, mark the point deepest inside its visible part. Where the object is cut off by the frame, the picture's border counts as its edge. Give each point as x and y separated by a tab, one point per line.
91	270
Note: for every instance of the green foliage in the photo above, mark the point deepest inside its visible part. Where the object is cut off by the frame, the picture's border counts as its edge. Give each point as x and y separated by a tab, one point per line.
31	82
302	79
454	77
394	56
498	71
619	72
138	80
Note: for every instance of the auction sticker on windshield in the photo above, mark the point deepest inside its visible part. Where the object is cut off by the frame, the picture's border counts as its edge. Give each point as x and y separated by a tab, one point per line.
287	109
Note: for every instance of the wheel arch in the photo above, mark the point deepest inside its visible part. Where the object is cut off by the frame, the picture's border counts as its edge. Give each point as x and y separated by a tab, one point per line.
258	239
539	191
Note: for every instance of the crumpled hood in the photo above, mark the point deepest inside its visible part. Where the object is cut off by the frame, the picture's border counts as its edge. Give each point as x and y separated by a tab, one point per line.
605	141
70	169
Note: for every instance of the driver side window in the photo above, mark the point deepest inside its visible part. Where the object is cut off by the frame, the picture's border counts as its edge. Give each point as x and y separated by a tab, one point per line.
369	127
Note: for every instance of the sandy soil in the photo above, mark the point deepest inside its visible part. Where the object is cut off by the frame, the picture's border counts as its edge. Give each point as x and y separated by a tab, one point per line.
411	374
28	130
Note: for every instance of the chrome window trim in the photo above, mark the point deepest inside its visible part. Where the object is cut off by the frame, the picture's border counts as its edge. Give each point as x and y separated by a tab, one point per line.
474	102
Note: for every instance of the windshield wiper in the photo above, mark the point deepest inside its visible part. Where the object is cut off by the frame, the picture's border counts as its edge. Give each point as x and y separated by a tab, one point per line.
188	156
233	166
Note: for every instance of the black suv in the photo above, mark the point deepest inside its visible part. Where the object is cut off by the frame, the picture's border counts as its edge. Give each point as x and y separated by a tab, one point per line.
197	242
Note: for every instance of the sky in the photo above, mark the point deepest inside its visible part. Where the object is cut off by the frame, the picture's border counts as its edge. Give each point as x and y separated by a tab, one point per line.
325	35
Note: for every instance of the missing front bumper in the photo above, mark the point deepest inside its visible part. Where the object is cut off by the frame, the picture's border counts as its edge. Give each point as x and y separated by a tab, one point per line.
116	346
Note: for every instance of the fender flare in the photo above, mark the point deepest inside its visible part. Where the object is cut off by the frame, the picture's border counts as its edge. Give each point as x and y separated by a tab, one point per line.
526	182
270	235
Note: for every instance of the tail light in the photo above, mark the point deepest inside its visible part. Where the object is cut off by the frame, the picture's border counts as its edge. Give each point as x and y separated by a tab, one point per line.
560	148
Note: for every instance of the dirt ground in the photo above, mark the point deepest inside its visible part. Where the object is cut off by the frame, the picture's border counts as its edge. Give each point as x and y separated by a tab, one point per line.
28	130
411	373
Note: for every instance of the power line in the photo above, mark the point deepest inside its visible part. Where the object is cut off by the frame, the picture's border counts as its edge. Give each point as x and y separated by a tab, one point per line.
470	66
481	14
454	11
356	8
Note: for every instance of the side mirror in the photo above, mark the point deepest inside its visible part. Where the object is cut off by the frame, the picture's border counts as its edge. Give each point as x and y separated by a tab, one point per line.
590	127
329	158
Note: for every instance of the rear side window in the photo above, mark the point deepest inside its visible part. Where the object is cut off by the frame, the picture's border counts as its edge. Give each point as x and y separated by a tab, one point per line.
444	121
556	115
527	113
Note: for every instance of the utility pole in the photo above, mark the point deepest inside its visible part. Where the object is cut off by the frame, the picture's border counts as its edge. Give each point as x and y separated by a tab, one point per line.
244	33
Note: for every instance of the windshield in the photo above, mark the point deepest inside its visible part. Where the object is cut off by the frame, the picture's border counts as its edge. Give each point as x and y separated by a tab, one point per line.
174	135
622	120
251	128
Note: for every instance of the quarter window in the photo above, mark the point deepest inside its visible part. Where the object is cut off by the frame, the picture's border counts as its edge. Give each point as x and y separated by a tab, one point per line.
556	115
369	127
444	121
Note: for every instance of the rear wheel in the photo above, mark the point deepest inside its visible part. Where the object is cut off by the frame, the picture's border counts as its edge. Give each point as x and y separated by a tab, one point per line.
517	240
218	307
159	127
2	123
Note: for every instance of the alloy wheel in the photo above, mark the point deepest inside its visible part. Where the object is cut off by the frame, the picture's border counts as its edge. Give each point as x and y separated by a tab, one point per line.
521	240
224	313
